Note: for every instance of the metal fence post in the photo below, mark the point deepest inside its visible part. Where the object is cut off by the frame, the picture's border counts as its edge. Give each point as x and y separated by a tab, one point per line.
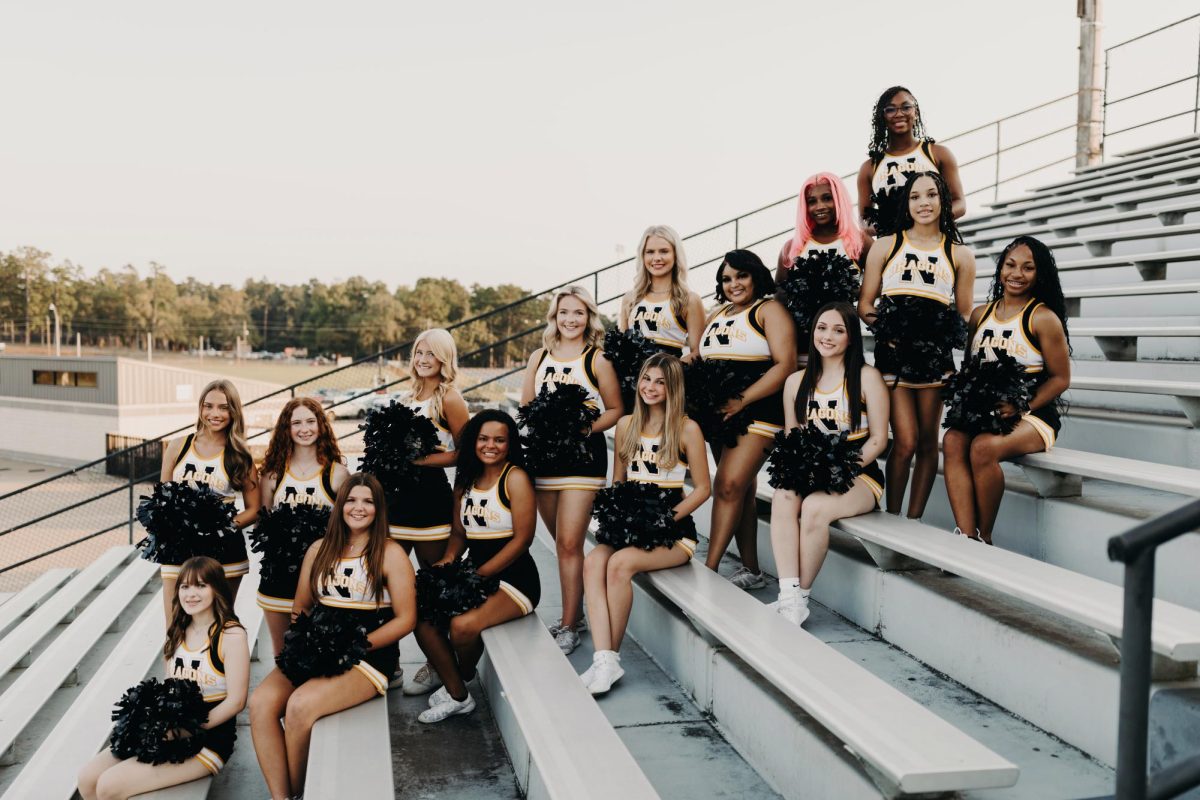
996	186
1196	102
737	233
132	470
1133	725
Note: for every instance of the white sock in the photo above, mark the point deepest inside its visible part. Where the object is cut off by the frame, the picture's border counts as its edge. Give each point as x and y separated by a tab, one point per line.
803	594
788	587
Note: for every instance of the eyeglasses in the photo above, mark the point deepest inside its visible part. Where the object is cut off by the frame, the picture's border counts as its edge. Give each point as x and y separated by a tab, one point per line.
890	111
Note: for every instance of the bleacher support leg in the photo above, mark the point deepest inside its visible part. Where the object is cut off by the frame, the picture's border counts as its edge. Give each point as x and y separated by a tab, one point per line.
1191	409
1118	348
1053	484
1151	272
889	560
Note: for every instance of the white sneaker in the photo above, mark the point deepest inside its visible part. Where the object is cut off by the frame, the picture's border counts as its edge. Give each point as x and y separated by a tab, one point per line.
608	672
567	640
582	625
440	696
397	679
447	709
588	674
793	609
745	579
425	681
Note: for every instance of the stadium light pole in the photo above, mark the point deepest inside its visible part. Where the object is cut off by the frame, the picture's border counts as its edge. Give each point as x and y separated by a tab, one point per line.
1089	145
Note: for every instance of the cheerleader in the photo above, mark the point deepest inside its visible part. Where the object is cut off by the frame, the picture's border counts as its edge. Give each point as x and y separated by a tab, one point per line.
206	644
825	221
216	455
753	335
926	266
900	147
570	355
1026	318
303	467
355	570
660	306
494	525
655	445
837	392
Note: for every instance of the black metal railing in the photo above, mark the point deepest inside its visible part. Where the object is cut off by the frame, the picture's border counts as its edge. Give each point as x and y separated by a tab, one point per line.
1136	549
1154	39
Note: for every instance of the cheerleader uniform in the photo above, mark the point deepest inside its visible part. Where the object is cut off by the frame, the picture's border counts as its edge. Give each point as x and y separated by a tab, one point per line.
422	509
192	469
741	339
644	469
1015	337
812	247
592	474
207	669
315	490
657	321
890	175
488	523
829	412
929	274
349	590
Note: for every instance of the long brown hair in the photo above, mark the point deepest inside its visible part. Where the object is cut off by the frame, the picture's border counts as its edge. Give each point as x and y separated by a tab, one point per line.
237	459
279	451
200	569
673	414
338	535
852	363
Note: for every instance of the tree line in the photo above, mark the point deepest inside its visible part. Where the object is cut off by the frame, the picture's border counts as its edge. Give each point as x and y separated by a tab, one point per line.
118	307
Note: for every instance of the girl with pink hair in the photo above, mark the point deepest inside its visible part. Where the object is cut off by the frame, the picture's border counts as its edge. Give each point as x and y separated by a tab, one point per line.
825	220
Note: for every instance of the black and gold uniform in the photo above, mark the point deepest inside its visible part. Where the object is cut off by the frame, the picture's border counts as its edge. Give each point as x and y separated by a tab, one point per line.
488	522
314	490
423	509
349	589
829	412
206	668
645	469
1015	337
658	322
192	469
889	177
740	338
591	475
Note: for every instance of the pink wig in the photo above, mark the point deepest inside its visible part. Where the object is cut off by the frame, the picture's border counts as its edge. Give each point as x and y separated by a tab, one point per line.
849	233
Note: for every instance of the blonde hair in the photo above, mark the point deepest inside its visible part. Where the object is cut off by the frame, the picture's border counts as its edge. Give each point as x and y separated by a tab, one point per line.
641	283
673	415
237	459
592	336
441	343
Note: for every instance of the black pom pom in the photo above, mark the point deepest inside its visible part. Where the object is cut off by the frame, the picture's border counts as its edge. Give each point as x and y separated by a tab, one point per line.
884	211
283	535
627	351
806	460
393	438
183	521
973	393
708	386
324	643
159	723
557	424
915	337
636	514
821	278
447	590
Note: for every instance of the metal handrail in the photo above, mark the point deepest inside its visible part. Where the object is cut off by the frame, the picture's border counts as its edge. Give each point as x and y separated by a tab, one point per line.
1136	549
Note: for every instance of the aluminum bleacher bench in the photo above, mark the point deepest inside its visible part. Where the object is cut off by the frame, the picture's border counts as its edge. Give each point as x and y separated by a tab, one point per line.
1119	342
1059	473
1187	394
22	603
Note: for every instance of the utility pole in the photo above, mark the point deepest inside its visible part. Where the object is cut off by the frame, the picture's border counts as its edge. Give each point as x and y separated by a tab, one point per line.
28	325
1089	144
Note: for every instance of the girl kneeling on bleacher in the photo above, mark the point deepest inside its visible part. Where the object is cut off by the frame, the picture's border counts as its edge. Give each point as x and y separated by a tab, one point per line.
355	601
844	402
205	645
497	581
645	517
1020	361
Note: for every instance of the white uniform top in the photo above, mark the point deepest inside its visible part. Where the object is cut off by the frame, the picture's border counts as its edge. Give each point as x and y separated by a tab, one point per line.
486	513
657	322
829	412
199	666
421	409
292	490
1013	335
578	371
893	169
909	270
194	470
349	587
644	466
739	336
812	247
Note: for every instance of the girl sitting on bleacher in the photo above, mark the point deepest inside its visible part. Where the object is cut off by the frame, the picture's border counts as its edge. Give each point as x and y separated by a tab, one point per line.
1024	323
355	601
839	395
207	645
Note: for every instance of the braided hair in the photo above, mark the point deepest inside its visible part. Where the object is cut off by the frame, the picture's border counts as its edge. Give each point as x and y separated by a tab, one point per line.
1047	287
879	137
946	223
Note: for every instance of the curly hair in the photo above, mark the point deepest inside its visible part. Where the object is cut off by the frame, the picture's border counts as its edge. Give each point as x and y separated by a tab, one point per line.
1047	287
279	451
879	136
946	223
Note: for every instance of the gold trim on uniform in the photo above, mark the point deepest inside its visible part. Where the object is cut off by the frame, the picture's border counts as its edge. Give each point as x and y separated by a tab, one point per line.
517	596
1043	430
210	760
563	482
373	675
686	544
279	604
434	533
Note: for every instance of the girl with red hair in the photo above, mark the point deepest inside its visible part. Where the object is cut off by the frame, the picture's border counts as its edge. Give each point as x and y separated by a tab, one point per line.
825	220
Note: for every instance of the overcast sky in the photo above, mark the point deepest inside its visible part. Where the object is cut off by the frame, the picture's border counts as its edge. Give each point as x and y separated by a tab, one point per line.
516	141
